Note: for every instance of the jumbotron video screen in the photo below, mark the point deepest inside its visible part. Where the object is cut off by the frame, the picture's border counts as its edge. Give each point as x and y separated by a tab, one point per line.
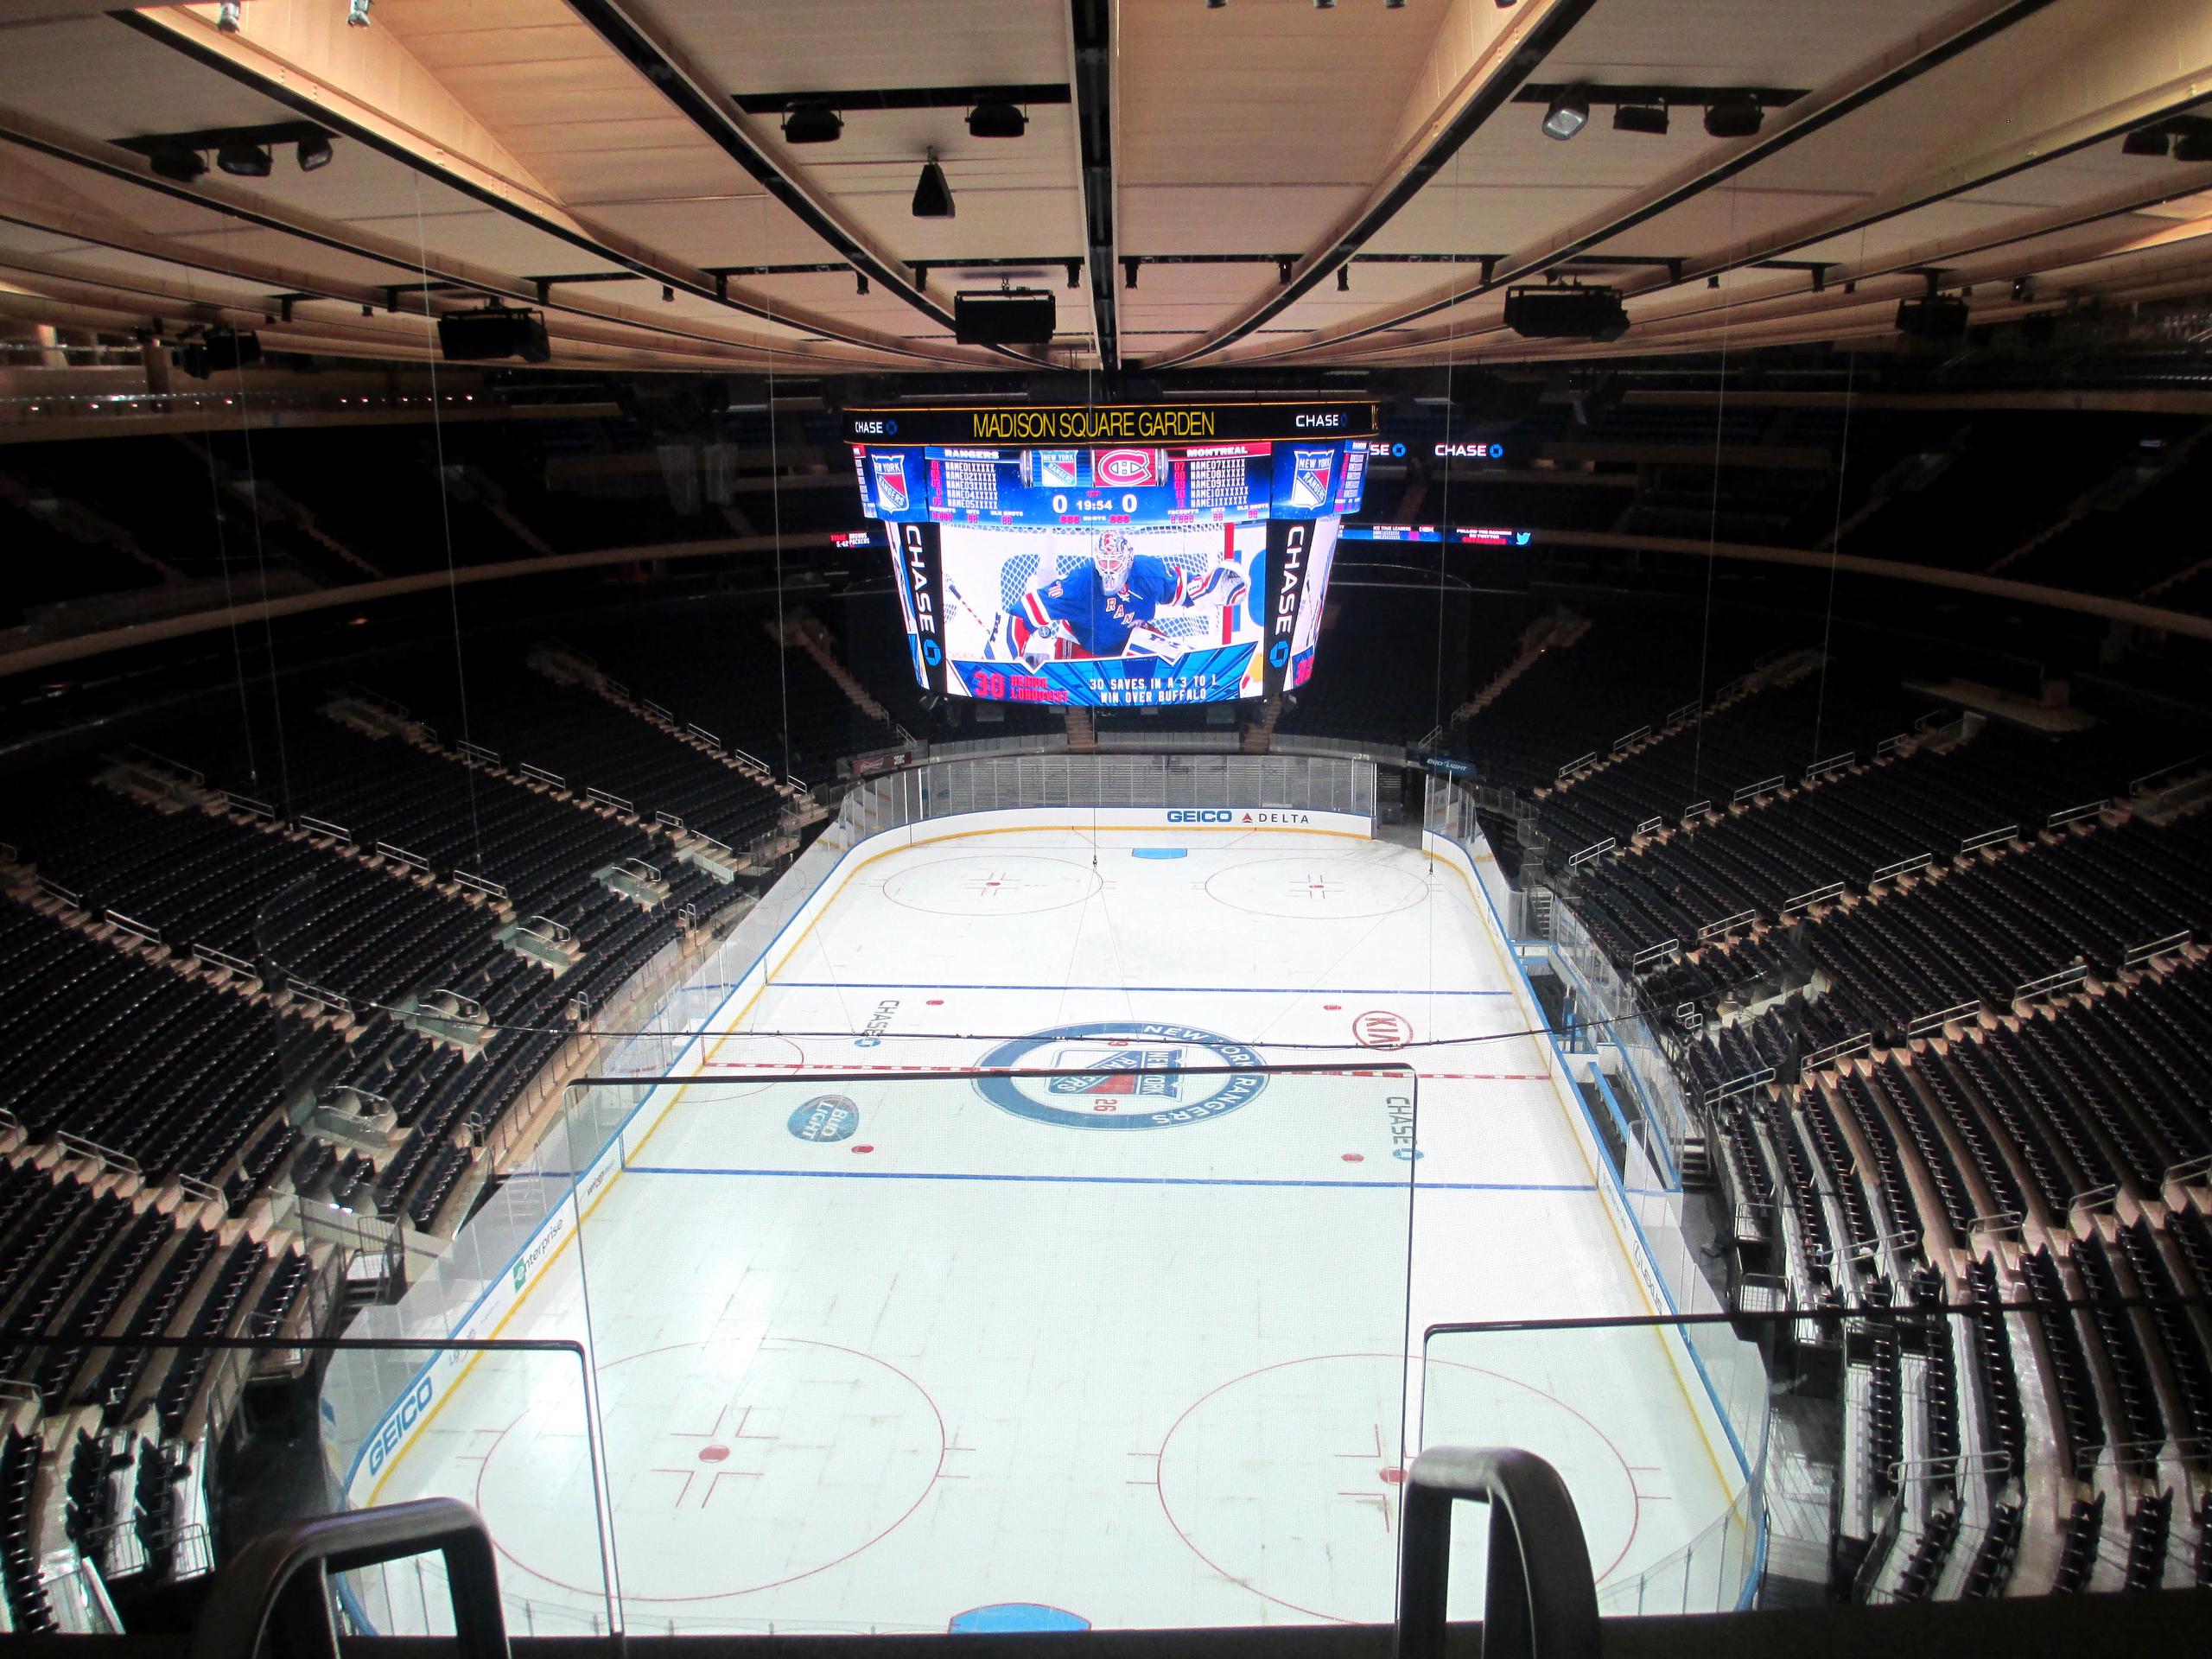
1122	573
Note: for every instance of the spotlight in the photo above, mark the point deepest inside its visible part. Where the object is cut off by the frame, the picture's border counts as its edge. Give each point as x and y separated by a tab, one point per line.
314	152
357	13
996	119
1394	5
1641	118
1216	5
1733	115
243	158
1325	5
812	123
2145	141
933	196
2194	146
230	16
176	162
1568	113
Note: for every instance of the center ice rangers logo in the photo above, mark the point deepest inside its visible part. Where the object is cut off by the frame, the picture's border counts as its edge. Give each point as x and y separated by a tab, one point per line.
1141	1074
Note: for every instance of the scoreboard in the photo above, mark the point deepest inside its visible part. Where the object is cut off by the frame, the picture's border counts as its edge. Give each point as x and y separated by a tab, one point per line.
1137	487
1112	556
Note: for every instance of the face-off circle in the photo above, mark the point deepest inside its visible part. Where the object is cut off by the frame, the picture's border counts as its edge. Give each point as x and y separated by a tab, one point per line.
1318	1439
1010	884
1122	1075
712	1441
1328	887
742	1059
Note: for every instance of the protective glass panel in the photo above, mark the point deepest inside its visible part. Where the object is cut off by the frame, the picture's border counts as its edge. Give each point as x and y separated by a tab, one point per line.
1115	1328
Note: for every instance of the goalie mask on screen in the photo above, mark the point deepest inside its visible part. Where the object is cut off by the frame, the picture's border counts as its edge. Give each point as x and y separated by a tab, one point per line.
1114	556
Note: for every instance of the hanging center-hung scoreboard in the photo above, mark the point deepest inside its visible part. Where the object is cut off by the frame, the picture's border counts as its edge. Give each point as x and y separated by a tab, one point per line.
1116	557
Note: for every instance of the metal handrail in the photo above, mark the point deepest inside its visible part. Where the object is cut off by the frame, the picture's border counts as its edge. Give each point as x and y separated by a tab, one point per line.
274	1590
1540	1601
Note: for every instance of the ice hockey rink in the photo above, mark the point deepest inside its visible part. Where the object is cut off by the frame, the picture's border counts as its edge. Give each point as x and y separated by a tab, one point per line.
878	1346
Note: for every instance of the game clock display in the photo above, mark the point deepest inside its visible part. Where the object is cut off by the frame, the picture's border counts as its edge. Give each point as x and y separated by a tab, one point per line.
1126	577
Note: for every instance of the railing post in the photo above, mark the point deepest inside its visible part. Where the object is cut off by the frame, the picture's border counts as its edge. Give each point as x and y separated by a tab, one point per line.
277	1586
1540	1601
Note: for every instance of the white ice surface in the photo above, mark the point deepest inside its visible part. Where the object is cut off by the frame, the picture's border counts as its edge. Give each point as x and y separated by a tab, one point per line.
1148	1375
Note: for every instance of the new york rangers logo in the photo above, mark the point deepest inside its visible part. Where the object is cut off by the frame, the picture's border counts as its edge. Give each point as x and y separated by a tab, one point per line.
1135	1070
1140	1075
1126	469
1057	469
1309	477
890	482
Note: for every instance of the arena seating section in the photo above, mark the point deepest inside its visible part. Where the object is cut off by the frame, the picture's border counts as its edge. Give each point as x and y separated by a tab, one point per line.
1938	986
321	924
1945	1011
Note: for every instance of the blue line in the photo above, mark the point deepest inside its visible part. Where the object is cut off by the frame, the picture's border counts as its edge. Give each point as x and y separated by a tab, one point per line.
1110	1180
1220	990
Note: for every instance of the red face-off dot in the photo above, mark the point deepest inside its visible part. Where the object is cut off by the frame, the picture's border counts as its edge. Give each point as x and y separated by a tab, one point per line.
713	1453
1354	1157
864	1147
1330	1007
937	1002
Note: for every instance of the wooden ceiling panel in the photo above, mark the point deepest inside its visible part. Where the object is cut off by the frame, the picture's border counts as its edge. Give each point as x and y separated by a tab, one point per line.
515	141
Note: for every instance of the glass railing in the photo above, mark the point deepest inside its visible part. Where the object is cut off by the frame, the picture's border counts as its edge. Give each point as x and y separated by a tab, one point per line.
1871	1454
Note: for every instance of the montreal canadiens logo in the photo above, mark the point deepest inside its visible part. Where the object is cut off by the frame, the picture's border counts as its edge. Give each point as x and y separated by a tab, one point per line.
1133	1075
1126	466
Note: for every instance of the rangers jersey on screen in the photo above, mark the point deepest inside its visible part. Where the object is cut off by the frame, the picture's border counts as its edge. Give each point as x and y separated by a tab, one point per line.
1101	622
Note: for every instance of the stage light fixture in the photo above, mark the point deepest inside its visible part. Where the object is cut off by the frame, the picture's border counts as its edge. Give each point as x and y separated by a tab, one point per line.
230	16
1325	5
2145	141
1216	5
1568	114
177	162
357	13
315	153
1733	115
1394	5
2194	146
932	195
996	119
242	158
1641	118
813	123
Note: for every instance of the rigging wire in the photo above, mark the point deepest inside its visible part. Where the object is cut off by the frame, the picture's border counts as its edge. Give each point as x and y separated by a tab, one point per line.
1835	535
445	520
1712	528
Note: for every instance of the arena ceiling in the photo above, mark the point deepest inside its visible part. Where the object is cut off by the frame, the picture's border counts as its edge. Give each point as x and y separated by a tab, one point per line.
1246	183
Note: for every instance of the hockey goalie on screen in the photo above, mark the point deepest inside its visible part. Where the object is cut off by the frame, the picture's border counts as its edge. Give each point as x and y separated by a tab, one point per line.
1110	606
